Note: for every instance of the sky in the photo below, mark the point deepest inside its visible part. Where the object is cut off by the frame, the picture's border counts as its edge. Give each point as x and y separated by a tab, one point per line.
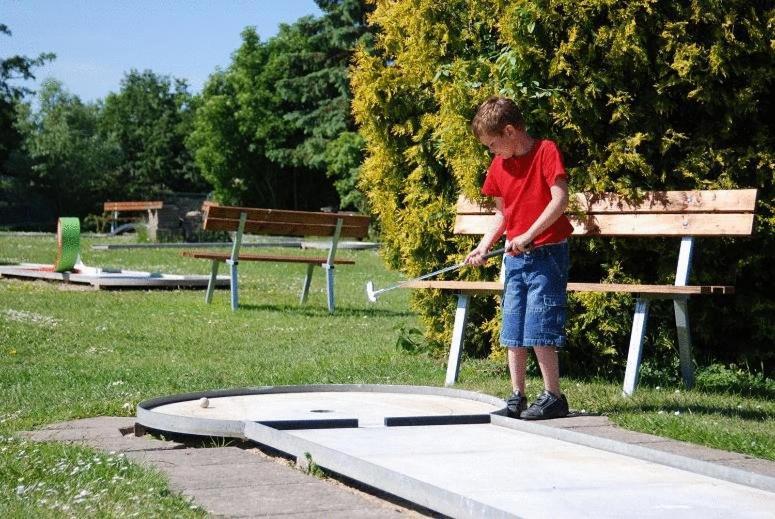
98	41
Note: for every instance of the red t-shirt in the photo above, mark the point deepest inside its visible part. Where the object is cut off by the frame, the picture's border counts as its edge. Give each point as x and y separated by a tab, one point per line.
523	182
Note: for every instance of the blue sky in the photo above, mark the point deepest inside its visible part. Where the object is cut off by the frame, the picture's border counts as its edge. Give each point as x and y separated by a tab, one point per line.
98	41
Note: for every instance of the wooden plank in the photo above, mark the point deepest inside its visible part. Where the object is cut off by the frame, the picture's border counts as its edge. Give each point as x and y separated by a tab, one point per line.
707	201
715	201
133	206
276	228
496	287
352	219
289	223
467	206
711	224
223	256
473	223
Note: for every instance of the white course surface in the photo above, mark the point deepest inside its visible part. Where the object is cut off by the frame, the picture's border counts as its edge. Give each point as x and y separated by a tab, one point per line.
511	472
368	408
507	468
108	278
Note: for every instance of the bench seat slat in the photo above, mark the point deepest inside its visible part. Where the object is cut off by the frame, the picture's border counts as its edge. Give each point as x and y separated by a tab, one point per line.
133	206
223	256
496	287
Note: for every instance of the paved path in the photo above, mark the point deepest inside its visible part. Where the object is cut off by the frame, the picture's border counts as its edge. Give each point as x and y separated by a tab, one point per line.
228	481
237	482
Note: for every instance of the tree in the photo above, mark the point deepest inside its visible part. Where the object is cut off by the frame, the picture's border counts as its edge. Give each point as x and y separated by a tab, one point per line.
312	57
14	68
67	157
150	118
277	122
235	118
241	135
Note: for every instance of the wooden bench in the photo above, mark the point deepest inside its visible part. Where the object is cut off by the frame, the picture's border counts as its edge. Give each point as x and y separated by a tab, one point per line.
684	214
275	222
151	207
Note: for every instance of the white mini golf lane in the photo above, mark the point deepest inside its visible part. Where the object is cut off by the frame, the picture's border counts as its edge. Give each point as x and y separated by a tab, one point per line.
499	469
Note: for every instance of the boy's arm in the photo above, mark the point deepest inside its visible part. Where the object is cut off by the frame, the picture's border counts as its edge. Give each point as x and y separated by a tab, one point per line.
553	210
475	257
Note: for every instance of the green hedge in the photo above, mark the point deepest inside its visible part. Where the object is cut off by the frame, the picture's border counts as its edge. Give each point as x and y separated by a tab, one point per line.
640	95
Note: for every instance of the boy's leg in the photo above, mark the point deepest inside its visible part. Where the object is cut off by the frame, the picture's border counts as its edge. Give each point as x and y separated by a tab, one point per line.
548	361
551	403
517	368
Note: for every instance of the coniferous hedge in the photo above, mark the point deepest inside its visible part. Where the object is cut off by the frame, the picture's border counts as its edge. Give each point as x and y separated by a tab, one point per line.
640	95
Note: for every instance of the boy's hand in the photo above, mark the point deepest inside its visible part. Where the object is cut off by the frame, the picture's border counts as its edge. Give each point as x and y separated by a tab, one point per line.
519	245
476	257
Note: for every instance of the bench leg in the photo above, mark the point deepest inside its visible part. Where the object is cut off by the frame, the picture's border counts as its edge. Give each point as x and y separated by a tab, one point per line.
681	307
329	285
233	283
211	283
307	281
458	334
639	321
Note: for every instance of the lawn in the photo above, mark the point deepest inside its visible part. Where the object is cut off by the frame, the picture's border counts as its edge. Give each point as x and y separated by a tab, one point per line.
68	353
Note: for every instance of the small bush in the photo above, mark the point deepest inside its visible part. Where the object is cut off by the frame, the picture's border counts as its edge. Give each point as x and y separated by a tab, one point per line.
734	379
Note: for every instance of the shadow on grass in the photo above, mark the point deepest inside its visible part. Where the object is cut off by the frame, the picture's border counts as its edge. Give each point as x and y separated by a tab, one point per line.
322	311
704	410
739	390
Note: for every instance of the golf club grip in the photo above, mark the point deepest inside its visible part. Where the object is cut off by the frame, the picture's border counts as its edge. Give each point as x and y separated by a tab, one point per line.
497	252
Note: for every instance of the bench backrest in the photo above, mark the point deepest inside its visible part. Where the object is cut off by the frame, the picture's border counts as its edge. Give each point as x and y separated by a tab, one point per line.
133	206
284	223
663	213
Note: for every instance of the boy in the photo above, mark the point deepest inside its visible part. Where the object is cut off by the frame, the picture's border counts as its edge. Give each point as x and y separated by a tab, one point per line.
528	183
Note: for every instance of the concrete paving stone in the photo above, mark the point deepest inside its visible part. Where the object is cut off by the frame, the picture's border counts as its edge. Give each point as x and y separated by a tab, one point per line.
199	457
250	475
133	446
315	498
100	422
69	435
103	437
759	466
698	452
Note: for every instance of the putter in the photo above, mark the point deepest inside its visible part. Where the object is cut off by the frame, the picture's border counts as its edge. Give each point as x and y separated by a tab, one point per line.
372	294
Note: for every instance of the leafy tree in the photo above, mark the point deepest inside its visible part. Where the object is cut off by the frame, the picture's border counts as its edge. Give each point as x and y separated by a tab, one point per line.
236	118
312	57
12	68
277	122
150	118
66	157
640	94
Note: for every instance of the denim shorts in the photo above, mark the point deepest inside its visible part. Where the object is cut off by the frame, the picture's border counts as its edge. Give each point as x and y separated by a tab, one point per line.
534	298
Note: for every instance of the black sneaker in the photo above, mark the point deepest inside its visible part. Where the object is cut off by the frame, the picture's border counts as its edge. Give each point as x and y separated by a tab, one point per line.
515	404
548	405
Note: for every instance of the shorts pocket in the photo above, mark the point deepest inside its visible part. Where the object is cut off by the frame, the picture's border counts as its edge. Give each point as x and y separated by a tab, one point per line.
554	315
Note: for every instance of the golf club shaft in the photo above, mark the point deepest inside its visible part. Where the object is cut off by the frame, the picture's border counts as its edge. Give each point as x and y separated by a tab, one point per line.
457	266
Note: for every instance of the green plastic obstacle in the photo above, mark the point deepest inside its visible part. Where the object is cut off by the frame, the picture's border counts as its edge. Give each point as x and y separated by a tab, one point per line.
68	244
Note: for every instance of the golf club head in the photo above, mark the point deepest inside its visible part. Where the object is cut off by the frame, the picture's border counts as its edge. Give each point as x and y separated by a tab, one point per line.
370	292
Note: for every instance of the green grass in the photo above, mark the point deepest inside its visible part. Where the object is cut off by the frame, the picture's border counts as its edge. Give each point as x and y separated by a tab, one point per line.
68	353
